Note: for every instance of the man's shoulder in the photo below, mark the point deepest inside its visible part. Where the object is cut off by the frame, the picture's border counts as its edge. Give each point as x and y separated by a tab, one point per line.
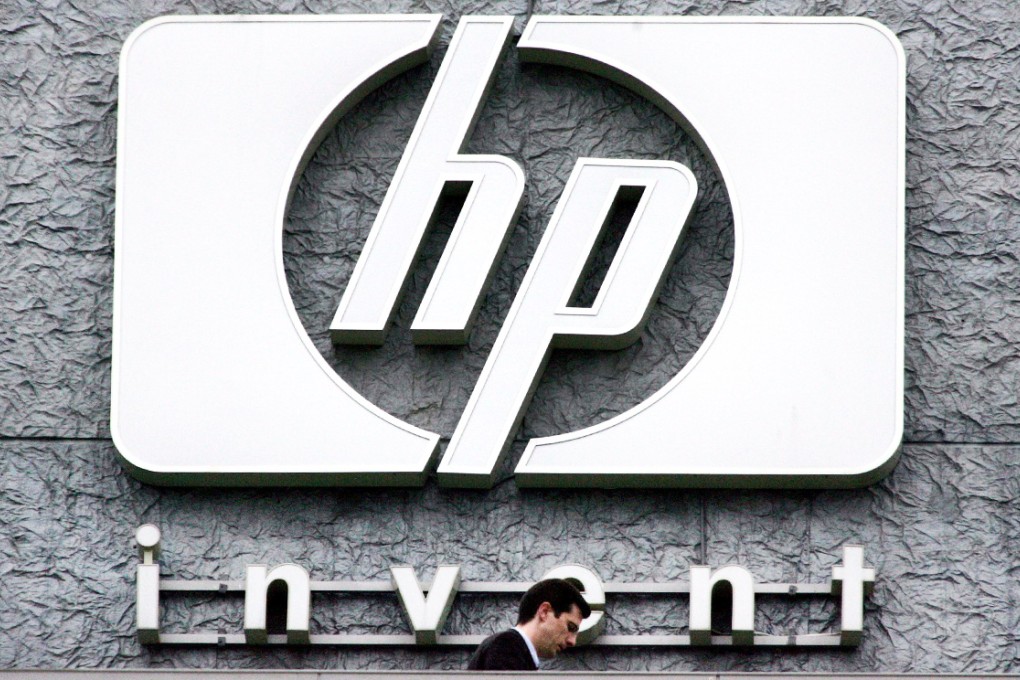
504	651
509	641
510	636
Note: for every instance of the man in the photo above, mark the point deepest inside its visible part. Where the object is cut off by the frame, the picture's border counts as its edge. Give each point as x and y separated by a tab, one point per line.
548	619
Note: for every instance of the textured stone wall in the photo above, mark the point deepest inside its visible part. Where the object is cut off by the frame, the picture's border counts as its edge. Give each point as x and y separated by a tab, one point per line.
942	530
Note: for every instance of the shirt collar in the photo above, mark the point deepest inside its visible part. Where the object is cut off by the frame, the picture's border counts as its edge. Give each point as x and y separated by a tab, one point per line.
531	648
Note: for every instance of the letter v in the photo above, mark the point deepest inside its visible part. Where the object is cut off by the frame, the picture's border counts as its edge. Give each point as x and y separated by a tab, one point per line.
426	614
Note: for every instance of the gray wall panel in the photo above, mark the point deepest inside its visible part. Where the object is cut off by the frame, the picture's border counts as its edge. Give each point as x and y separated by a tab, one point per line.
57	152
58	157
940	531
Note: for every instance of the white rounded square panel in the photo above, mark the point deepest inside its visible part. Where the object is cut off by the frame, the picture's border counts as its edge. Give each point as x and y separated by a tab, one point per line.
799	383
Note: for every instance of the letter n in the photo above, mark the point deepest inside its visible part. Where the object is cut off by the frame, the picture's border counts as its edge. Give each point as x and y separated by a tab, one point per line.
258	578
703	581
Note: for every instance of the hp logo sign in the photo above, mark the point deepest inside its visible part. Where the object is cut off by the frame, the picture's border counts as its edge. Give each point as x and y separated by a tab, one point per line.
799	382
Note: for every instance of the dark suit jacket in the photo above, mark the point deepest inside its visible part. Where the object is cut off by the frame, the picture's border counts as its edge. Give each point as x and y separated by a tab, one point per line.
506	651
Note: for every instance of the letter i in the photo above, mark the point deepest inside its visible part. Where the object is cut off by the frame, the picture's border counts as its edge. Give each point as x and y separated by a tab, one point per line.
147	605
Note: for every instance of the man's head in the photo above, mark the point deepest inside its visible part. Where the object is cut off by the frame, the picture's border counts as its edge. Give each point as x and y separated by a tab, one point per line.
550	615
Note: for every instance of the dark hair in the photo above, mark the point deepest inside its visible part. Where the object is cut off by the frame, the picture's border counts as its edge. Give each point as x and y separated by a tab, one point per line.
558	592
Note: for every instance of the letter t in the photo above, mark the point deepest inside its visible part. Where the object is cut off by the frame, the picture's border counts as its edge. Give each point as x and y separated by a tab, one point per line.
854	581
